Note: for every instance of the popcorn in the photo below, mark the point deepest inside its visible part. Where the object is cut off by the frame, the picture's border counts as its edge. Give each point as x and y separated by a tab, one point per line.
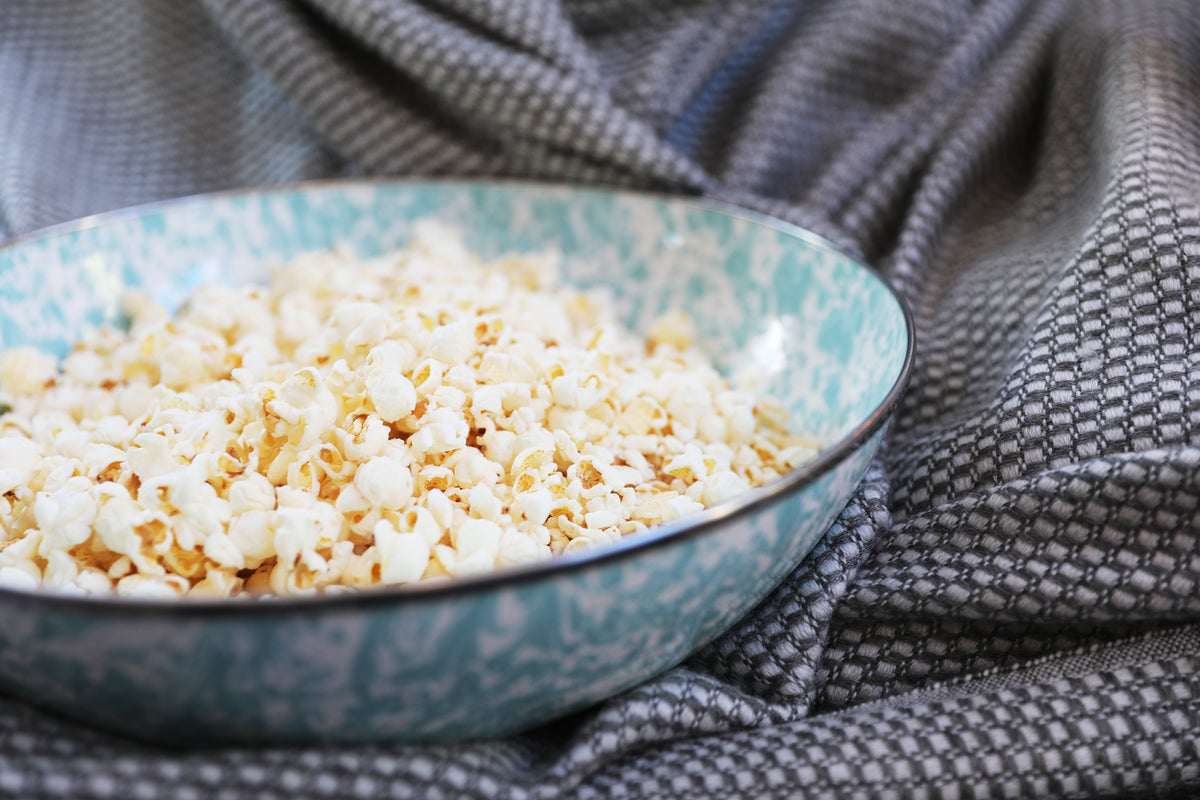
253	492
403	557
383	483
394	356
417	416
477	536
152	457
26	370
65	516
18	578
147	588
250	533
535	505
363	437
304	407
484	504
392	394
18	462
679	506
722	486
453	343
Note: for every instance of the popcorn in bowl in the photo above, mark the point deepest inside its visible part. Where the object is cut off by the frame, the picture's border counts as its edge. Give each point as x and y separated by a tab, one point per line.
416	416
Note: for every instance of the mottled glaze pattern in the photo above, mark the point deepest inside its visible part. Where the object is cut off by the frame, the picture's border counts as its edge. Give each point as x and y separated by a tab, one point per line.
487	656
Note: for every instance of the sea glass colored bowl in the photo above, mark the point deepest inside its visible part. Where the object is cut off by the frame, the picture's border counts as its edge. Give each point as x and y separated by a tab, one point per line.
482	656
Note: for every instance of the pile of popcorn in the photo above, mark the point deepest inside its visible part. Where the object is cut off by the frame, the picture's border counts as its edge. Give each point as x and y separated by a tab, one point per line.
410	417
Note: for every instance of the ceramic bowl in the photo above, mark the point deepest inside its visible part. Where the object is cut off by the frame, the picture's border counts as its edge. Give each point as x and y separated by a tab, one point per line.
483	656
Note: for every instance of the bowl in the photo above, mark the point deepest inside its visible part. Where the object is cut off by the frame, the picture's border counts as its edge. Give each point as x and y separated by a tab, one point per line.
488	655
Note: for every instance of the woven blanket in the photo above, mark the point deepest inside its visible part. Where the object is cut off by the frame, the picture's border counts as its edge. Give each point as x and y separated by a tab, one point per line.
1010	604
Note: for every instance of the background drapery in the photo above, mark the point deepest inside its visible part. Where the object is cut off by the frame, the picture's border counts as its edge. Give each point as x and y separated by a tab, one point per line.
1010	604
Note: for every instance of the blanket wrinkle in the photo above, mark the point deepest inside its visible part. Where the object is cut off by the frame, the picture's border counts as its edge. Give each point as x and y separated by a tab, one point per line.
1009	606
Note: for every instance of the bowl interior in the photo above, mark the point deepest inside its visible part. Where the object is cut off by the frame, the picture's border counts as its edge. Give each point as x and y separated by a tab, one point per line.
771	303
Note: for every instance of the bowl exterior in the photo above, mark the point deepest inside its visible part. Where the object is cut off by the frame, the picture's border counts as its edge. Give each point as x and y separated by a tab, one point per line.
783	311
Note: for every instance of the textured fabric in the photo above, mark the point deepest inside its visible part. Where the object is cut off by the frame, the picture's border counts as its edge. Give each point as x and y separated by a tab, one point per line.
1010	605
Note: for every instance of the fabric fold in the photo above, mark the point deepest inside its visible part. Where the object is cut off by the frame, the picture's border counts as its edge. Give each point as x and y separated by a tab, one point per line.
1008	606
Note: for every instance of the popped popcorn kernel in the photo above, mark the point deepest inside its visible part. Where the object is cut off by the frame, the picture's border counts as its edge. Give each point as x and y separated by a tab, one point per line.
417	416
26	370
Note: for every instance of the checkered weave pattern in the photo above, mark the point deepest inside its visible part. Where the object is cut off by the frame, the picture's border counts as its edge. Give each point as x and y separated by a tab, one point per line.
1010	604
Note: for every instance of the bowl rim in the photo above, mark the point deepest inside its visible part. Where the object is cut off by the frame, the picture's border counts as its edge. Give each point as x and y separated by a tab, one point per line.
656	537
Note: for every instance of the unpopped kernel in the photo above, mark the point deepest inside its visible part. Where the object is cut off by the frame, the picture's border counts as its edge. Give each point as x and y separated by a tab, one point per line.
415	416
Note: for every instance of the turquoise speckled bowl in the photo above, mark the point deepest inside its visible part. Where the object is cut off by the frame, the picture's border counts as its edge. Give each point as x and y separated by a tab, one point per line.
483	656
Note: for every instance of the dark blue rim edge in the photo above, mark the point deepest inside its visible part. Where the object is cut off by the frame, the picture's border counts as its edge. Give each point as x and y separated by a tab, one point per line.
657	537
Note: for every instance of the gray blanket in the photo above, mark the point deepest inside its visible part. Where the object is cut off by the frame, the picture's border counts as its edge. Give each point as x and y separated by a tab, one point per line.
1009	607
